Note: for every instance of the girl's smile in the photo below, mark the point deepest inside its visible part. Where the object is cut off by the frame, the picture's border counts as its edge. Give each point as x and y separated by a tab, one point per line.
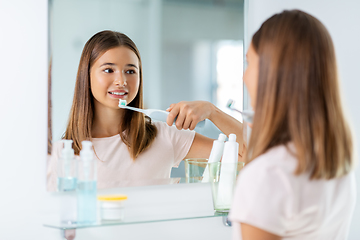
118	94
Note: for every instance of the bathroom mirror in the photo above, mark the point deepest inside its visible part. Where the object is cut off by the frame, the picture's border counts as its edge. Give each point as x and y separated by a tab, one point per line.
190	50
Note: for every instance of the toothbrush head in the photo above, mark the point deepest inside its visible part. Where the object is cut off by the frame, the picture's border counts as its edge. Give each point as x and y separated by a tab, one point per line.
230	103
122	103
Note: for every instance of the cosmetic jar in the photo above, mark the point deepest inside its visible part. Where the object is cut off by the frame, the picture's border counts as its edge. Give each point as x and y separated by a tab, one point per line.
112	207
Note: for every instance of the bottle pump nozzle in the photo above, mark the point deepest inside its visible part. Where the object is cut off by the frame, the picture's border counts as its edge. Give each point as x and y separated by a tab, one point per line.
67	152
86	153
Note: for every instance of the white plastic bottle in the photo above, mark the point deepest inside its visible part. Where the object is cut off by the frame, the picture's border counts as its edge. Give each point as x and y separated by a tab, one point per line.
215	155
66	183
86	187
227	176
67	168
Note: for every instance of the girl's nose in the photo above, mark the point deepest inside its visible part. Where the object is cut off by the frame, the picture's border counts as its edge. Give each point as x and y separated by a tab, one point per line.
120	80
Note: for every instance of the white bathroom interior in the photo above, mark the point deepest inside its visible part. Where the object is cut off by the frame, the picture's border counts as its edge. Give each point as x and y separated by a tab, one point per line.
183	59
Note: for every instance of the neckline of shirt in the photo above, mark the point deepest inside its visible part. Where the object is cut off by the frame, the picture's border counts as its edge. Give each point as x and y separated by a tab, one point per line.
106	138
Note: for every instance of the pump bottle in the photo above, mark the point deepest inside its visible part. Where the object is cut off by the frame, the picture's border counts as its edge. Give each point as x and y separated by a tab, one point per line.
66	183
67	168
86	187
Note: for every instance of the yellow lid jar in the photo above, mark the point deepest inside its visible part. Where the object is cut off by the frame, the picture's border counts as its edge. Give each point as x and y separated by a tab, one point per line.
112	207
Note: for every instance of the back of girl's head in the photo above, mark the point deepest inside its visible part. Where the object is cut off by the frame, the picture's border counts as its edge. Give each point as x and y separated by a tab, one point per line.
298	97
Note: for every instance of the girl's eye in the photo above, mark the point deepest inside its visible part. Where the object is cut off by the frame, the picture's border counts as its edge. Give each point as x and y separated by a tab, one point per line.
108	70
130	71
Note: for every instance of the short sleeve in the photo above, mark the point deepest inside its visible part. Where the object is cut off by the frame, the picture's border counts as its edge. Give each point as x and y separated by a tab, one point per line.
181	141
263	198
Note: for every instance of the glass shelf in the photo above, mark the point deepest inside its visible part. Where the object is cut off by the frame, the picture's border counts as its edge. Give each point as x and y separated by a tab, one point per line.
61	226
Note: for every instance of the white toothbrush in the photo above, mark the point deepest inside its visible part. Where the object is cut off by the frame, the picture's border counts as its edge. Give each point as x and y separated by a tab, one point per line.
154	114
247	115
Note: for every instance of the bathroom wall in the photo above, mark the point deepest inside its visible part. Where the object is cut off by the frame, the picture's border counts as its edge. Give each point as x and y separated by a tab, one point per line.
342	20
23	113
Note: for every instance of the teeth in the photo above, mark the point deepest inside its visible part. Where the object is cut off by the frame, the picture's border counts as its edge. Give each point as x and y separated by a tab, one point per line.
118	93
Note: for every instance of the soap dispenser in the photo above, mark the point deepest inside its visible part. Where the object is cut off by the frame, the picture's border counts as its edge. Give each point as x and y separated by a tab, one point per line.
67	168
86	187
66	183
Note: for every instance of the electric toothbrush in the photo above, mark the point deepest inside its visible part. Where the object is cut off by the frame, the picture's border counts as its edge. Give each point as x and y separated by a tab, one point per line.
247	115
154	114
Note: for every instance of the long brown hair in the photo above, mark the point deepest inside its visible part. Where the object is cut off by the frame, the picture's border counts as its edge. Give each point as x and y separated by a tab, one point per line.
298	97
136	131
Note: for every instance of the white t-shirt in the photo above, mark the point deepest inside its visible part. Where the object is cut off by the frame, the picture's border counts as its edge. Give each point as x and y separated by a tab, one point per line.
270	197
115	167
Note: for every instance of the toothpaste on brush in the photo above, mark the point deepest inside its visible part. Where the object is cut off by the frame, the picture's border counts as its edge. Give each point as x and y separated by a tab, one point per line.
122	102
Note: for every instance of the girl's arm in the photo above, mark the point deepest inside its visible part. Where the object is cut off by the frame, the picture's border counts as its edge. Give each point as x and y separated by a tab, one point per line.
249	232
190	113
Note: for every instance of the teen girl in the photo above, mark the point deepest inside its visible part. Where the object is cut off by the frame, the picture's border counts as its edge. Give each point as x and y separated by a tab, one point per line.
298	181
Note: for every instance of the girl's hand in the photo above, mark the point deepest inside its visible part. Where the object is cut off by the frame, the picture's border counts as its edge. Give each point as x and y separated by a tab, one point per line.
188	114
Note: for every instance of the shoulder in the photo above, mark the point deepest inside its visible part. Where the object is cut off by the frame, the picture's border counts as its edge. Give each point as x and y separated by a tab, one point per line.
162	129
276	167
57	147
282	158
264	196
160	125
58	144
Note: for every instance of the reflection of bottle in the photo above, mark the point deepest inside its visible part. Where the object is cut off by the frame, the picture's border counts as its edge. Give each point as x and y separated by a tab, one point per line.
86	187
67	168
215	155
228	169
66	183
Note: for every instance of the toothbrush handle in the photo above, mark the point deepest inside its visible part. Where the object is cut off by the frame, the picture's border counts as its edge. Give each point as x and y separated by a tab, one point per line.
159	115
135	109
